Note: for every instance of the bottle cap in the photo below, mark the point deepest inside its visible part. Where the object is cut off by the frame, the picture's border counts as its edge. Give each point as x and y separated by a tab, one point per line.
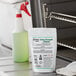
18	14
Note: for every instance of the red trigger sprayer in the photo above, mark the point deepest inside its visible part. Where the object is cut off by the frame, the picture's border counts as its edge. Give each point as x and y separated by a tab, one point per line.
24	8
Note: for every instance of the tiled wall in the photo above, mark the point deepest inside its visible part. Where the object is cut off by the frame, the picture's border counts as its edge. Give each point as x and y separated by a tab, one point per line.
7	22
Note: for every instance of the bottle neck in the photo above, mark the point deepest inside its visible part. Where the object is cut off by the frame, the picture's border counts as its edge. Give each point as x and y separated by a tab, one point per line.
19	25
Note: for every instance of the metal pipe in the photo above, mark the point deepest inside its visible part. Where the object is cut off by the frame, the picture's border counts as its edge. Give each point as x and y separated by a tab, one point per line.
62	17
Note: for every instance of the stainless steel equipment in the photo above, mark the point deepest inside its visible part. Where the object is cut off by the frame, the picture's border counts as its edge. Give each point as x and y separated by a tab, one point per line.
58	14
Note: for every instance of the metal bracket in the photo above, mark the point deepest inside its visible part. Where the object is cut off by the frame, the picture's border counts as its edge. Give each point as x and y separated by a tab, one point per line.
45	13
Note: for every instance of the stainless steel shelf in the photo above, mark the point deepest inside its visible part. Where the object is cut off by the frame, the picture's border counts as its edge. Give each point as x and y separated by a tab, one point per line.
63	17
69	43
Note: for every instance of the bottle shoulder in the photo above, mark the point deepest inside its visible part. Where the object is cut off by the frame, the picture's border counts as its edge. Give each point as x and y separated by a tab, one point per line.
19	32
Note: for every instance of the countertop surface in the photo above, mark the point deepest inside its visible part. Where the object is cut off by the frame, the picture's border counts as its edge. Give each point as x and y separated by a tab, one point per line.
25	69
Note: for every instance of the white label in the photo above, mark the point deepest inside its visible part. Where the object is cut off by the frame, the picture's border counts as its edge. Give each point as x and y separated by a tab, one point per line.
43	51
43	44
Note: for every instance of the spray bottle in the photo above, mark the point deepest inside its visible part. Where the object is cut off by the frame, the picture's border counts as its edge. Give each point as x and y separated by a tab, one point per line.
20	37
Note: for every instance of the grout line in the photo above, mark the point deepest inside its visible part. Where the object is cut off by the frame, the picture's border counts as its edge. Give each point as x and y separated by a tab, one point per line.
6	46
11	3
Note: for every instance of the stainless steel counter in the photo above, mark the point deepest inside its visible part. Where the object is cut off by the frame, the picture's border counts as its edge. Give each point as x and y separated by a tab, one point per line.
24	69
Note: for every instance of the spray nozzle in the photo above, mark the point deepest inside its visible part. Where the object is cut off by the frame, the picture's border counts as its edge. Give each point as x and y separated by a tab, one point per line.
24	8
26	3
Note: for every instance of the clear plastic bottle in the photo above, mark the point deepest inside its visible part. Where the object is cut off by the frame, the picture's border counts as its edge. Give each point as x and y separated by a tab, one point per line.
20	40
20	36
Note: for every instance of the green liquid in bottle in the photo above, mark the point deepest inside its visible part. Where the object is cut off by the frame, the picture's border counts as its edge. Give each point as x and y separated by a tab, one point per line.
20	47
